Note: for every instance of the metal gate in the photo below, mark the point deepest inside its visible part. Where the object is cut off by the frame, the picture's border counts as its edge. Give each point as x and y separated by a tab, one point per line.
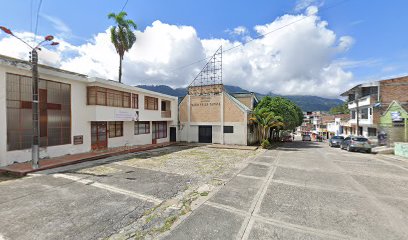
173	134
205	134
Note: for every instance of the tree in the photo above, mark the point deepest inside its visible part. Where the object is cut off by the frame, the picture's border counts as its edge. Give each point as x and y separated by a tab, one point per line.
265	120
292	115
340	109
122	36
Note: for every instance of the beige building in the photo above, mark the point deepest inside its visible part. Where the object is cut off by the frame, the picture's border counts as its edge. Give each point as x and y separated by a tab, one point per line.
208	114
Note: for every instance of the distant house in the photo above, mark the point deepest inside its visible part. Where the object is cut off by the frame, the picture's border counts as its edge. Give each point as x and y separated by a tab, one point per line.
394	122
369	101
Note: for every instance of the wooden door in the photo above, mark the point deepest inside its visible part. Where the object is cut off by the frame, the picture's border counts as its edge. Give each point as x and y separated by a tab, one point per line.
99	136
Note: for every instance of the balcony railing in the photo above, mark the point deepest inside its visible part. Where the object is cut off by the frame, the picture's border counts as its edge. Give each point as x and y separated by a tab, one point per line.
166	114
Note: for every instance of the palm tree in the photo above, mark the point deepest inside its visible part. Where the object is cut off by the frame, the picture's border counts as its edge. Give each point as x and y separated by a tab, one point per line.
265	120
122	36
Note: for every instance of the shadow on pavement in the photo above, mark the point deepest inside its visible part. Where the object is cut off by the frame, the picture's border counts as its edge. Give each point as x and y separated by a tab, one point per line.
298	145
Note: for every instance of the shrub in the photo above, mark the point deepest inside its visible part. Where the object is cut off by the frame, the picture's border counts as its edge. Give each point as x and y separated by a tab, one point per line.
265	143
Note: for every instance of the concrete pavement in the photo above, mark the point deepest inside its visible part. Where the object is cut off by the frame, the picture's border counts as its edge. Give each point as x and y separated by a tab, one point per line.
306	190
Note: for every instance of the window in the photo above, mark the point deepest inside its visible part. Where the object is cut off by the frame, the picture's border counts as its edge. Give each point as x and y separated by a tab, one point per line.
228	129
151	103
353	114
135	101
115	129
159	130
364	113
372	132
142	128
163	106
108	97
54	108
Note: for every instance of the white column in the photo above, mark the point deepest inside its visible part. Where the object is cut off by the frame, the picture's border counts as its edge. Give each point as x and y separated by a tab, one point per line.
188	118
222	118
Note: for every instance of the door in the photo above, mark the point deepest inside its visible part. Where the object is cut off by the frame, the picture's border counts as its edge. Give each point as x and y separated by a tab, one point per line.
173	134
205	134
99	138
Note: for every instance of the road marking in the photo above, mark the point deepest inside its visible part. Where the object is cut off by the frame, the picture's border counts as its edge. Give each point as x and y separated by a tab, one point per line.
299	228
250	220
110	188
252	177
255	205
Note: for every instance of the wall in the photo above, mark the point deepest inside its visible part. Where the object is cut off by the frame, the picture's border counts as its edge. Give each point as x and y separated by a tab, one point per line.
79	125
401	149
394	89
205	108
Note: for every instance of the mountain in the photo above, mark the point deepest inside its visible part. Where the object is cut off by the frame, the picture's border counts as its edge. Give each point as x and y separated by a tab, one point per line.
305	102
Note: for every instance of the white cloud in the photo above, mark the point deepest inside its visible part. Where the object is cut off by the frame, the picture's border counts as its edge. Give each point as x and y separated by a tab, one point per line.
304	4
299	59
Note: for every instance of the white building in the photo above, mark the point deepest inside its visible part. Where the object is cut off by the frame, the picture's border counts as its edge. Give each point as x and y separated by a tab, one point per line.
77	113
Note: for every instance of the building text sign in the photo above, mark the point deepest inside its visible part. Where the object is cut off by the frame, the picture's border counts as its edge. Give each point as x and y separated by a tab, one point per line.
126	115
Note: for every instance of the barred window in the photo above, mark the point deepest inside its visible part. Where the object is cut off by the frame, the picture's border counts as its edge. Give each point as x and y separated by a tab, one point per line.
54	109
115	129
151	103
159	130
142	128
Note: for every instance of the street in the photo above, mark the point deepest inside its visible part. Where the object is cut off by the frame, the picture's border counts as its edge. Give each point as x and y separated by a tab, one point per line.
302	190
306	190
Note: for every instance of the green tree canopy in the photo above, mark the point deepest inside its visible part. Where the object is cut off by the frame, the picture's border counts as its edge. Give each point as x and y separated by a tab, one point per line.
290	113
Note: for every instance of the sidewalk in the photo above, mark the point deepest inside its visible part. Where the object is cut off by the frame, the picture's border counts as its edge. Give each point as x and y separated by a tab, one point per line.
22	169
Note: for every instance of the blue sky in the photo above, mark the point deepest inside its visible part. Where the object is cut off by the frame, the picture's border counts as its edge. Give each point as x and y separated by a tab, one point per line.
378	28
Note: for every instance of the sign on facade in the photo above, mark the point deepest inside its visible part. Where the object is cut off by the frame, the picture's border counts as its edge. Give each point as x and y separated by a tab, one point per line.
79	139
396	117
126	115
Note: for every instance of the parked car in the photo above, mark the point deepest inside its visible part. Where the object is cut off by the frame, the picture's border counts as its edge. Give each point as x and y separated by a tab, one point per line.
287	138
336	141
306	137
353	143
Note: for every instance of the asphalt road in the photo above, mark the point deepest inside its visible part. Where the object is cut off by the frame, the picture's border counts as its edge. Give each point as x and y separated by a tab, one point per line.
306	190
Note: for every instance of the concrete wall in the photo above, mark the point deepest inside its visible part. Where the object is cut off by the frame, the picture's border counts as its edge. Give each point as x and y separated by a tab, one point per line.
401	149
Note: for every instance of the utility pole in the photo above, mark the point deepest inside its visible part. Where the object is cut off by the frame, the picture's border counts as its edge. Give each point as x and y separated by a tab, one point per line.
357	113
35	146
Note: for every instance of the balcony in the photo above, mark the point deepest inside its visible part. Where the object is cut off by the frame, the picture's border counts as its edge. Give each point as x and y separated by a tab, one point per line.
166	114
363	102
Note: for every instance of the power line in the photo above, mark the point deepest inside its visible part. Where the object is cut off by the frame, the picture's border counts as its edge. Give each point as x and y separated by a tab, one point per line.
124	5
36	22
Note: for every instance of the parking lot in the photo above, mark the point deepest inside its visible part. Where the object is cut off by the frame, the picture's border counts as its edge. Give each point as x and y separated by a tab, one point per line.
307	190
129	196
301	190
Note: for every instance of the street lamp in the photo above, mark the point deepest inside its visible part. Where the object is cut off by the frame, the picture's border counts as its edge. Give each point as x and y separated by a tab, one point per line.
35	153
